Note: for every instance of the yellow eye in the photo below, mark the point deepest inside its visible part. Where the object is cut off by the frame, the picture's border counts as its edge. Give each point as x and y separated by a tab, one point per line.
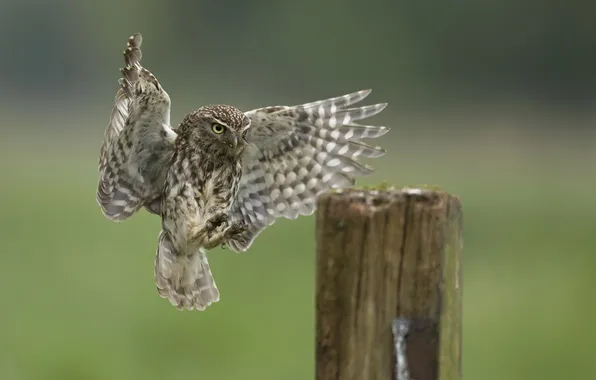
217	128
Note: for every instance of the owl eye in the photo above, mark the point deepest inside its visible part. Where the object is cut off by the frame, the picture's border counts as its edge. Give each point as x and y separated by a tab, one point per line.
217	128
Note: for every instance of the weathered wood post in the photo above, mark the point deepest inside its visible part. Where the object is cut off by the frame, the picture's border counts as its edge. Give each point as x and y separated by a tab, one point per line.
388	273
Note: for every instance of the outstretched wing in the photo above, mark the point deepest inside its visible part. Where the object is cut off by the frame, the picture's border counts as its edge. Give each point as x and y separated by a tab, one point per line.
138	143
298	152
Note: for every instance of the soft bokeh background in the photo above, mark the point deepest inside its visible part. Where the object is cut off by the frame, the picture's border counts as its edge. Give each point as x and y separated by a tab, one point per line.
492	100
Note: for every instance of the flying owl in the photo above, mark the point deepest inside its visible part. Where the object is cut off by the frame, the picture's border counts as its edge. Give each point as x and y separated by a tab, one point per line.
222	175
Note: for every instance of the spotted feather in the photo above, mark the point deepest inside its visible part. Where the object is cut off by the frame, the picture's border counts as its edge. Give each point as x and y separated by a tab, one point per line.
138	140
296	153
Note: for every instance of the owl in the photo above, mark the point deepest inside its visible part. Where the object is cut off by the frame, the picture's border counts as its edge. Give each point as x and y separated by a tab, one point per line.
222	175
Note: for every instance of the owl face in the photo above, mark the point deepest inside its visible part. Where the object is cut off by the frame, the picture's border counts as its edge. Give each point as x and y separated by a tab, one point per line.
220	128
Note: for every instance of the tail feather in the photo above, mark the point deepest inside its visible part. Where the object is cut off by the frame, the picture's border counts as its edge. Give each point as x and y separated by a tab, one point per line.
185	280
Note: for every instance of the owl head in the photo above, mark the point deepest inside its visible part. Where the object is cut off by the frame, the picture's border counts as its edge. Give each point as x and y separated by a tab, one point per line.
218	129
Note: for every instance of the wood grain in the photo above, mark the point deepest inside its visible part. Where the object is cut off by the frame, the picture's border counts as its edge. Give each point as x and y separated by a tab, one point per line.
382	255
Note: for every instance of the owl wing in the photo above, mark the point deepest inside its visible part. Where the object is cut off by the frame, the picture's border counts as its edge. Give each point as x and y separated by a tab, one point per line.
295	154
138	143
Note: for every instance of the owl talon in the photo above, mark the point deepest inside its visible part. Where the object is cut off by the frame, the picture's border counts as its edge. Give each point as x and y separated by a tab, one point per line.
237	228
241	240
216	221
236	232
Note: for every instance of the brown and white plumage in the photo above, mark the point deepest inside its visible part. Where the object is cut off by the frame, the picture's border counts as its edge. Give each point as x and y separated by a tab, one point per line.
297	153
223	187
201	183
138	143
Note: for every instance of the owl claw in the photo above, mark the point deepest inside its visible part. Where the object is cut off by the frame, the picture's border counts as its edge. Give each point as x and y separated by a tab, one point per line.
236	232
237	228
216	221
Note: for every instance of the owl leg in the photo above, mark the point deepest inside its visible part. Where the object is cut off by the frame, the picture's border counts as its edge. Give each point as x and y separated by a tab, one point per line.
216	221
206	236
216	233
221	234
214	238
213	232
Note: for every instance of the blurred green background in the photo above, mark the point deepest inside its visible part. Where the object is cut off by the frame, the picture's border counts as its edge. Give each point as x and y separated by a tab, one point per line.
493	101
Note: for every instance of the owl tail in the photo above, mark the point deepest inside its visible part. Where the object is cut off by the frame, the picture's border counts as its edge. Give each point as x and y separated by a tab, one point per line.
185	280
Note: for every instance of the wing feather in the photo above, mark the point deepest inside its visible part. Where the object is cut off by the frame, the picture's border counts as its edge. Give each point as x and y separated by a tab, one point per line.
137	145
296	153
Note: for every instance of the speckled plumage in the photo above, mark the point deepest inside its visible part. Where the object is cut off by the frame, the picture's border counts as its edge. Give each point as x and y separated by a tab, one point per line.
223	175
201	184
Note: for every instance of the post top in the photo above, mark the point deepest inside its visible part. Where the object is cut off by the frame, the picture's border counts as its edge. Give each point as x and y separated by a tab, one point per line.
371	199
385	189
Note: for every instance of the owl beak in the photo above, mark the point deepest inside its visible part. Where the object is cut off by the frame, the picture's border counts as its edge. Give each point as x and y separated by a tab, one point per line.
233	141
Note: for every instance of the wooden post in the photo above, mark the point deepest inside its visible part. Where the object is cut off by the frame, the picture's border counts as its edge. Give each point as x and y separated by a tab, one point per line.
383	255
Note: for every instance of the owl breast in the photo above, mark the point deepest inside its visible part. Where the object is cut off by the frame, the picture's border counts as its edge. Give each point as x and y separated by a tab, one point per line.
196	191
216	193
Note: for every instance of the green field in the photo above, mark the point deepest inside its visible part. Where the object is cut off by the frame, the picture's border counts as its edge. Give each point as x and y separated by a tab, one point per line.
79	300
